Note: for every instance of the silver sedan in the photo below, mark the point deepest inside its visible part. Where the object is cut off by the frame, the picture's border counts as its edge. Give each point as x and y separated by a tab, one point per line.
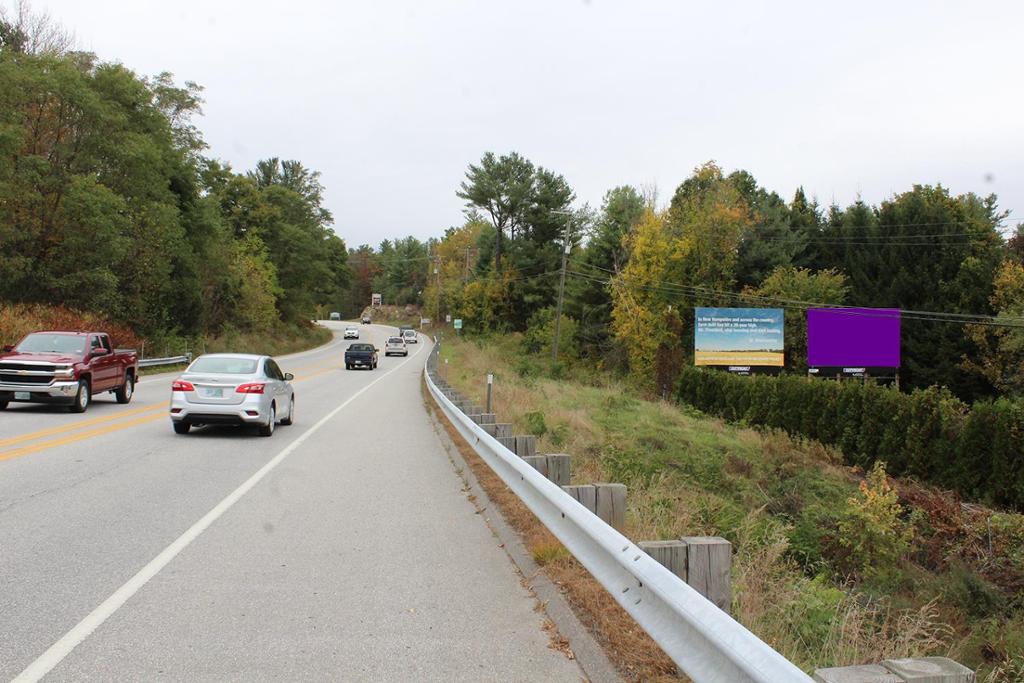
232	388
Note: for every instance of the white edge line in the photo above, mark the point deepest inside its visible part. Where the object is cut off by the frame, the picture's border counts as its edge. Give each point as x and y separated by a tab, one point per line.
56	653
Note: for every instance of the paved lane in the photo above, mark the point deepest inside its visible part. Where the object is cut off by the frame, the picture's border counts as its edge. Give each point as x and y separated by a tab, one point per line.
357	557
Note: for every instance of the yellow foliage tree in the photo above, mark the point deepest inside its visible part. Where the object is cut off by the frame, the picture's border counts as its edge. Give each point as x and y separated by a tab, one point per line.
693	247
1000	357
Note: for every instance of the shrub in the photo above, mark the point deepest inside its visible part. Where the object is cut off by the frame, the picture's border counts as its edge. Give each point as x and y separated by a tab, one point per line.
540	334
928	433
871	528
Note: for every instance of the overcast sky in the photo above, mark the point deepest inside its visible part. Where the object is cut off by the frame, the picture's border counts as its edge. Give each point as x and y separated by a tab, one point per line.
391	100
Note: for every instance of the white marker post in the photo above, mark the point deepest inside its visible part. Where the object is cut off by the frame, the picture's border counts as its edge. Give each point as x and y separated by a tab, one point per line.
490	381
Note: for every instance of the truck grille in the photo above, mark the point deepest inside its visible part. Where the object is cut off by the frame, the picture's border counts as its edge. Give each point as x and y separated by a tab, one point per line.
25	379
26	373
10	366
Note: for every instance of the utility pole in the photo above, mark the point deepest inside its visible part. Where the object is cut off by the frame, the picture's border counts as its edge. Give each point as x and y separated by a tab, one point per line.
437	288
467	265
561	286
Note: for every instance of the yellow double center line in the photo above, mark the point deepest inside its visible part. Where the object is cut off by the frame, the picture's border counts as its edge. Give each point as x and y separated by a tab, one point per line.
145	414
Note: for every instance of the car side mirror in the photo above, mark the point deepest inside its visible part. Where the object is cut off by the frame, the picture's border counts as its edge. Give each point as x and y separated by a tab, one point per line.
288	377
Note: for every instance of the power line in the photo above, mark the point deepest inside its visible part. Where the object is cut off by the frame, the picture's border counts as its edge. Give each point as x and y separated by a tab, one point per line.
795	304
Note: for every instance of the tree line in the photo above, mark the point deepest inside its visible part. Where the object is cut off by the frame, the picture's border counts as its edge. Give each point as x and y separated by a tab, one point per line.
108	202
636	269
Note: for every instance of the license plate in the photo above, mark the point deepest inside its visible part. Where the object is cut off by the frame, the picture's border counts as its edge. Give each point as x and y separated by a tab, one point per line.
213	393
22	395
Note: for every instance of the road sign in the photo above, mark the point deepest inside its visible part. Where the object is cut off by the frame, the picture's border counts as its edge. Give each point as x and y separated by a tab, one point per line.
447	318
375	299
458	323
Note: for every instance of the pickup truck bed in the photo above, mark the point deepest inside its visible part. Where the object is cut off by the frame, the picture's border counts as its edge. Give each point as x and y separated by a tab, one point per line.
361	355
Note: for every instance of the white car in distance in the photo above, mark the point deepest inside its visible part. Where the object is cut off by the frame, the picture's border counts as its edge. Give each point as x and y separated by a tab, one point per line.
395	346
351	333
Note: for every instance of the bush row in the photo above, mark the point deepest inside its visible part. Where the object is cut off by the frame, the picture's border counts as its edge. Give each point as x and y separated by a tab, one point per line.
930	434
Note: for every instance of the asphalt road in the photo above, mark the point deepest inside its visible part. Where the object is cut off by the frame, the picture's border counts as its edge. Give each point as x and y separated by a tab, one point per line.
341	548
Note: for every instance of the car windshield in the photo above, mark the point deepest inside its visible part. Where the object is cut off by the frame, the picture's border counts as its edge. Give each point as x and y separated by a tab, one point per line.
361	347
51	343
224	365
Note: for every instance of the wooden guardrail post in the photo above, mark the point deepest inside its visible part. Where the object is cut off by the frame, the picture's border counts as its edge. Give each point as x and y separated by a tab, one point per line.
708	568
584	494
868	673
704	562
499	430
669	554
607	501
526	445
917	670
554	466
930	670
611	504
559	468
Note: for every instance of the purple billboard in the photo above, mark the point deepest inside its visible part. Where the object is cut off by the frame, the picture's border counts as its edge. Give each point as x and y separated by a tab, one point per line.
853	337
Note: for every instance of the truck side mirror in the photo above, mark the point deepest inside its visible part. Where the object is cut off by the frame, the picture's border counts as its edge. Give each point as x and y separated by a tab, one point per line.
8	348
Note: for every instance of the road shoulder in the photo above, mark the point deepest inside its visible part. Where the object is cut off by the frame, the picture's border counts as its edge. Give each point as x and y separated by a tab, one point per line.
581	644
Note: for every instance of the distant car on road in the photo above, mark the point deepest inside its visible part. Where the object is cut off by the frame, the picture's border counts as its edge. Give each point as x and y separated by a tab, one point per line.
335	316
66	368
351	333
410	337
367	320
232	389
396	346
361	355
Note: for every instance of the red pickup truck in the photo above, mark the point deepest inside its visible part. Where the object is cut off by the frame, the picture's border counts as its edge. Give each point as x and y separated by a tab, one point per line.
66	368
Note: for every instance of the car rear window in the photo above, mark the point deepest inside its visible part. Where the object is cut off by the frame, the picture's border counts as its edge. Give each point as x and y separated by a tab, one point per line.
396	340
361	347
224	366
410	333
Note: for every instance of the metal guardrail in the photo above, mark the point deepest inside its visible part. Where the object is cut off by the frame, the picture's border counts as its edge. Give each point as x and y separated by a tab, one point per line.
705	642
170	360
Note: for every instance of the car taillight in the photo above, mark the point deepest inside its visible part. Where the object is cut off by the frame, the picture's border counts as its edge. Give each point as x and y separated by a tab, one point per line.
182	385
254	388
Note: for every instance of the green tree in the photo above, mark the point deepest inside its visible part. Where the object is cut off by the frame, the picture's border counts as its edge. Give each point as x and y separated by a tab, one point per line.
800	284
502	188
590	300
923	250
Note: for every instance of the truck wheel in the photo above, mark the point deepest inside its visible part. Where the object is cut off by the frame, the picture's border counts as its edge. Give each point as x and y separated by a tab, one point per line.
127	390
181	427
83	397
268	429
3	405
